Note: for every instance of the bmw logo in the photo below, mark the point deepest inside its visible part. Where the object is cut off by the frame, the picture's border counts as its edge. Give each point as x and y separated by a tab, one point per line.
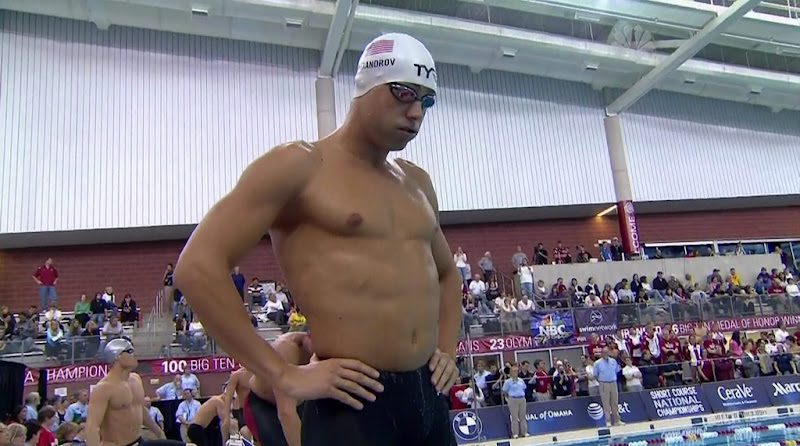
595	411
467	426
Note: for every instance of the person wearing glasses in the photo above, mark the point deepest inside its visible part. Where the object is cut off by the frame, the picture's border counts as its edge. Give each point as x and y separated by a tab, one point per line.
343	201
116	409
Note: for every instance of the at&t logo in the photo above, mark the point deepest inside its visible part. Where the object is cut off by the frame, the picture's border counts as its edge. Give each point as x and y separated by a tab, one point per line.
467	426
595	411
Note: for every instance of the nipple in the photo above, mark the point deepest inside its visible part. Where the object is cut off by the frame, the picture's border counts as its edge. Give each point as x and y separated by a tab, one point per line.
355	219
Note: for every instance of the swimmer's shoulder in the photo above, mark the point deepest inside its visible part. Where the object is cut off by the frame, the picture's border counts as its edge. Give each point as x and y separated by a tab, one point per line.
422	178
294	158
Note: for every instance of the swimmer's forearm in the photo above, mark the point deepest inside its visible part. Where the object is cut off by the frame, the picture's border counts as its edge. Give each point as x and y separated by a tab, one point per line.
209	289
93	437
449	311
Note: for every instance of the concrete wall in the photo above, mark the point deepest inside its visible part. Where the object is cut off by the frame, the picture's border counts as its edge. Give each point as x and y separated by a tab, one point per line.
699	267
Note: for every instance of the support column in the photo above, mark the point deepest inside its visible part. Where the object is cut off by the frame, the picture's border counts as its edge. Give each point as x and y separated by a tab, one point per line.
628	229
326	106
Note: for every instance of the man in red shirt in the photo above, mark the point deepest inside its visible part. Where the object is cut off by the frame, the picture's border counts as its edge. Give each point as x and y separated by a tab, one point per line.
542	381
670	344
47	277
595	346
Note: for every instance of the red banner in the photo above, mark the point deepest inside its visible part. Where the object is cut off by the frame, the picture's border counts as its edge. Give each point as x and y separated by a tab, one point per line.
628	228
147	367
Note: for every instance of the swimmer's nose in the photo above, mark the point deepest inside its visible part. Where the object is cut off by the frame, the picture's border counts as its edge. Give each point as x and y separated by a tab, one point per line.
415	111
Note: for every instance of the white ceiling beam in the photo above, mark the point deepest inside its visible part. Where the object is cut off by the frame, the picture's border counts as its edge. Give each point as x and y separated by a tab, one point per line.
334	43
685	52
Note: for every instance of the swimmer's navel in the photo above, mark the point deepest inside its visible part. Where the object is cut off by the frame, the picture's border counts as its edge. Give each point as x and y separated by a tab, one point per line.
355	219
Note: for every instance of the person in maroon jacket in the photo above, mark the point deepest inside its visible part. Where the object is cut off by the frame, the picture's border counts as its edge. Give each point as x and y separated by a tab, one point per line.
541	382
47	277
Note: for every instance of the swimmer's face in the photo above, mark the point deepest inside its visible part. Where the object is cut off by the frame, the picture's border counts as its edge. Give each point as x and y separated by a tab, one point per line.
393	122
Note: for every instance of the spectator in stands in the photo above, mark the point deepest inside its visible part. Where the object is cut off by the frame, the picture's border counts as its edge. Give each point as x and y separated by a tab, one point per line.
182	332
45	418
91	339
168	286
170	391
18	415
65	433
130	312
777	295
593	300
633	376
486	265
591	285
460	259
563	379
52	313
540	255
9	323
617	251
516	259
27	331
508	315
98	307
186	412
154	413
660	283
33	431
472	396
110	297
524	308
256	293
283	295
78	410
297	321
784	362
649	369
793	291
672	371
47	278
82	310
542	381
751	367
56	343
561	254
197	336
705	369
477	289
583	256
59	403
514	392
238	281
781	334
492	291
14	435
274	310
190	382
113	328
526	278
766	359
735	344
481	374
605	252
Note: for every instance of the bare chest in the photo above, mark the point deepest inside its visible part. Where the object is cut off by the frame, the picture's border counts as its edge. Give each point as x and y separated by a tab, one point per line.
368	204
127	396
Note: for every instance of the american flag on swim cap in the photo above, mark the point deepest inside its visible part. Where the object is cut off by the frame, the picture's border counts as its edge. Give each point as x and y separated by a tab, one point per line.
380	47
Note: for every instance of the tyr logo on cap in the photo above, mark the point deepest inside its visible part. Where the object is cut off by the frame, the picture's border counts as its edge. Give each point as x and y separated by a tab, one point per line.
428	71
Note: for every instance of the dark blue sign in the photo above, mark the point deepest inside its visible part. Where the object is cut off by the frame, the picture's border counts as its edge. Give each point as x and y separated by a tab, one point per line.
729	396
476	425
674	402
600	320
782	390
552	328
580	413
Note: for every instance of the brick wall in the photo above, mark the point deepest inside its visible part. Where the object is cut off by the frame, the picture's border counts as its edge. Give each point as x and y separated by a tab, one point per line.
137	268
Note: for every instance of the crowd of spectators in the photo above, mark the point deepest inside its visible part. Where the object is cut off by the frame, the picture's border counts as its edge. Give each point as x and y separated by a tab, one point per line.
57	421
638	299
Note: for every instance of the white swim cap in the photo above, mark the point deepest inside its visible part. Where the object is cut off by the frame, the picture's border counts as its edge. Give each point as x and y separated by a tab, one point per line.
395	57
115	348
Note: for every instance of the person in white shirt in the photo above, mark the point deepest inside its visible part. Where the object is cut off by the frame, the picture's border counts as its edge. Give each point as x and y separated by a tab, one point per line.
52	313
460	257
524	309
480	375
526	278
477	288
274	310
154	412
190	382
594	384
593	300
109	296
472	396
508	315
792	290
113	327
633	377
780	333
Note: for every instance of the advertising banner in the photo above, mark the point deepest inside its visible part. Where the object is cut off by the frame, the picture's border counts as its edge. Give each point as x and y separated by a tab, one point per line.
728	396
675	402
474	425
782	390
580	413
147	367
628	228
600	320
552	328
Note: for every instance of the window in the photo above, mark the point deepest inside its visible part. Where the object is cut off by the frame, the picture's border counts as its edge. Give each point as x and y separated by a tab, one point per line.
667	252
749	248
